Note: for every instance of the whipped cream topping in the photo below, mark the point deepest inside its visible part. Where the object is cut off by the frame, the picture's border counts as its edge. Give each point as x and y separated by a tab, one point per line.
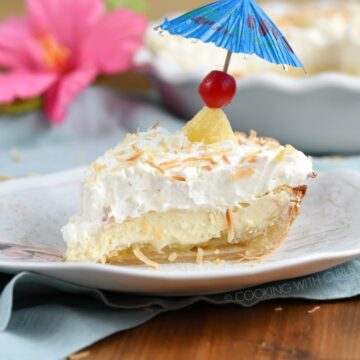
158	171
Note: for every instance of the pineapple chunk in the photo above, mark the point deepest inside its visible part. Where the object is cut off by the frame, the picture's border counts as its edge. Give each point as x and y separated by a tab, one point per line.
209	126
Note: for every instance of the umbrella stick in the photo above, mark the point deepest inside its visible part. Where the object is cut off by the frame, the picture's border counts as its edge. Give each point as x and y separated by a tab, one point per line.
227	61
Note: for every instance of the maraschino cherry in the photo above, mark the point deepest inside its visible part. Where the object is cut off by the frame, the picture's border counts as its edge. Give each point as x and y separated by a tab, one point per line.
217	89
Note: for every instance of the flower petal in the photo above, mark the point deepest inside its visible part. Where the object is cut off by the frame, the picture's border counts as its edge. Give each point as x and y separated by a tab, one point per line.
68	21
58	98
18	46
112	43
24	85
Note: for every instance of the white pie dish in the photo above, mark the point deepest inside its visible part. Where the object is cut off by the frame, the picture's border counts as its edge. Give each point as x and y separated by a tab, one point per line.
317	113
326	234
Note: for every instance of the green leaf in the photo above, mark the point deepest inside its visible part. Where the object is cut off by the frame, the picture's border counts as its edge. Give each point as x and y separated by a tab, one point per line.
21	106
136	5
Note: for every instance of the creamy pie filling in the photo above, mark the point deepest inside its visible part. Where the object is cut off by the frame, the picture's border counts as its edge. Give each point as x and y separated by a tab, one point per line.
158	194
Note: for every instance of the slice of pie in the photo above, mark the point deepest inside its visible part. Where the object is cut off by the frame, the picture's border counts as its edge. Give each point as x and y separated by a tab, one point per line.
202	193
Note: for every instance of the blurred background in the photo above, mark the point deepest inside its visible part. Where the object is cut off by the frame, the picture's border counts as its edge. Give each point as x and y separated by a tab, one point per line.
144	77
153	9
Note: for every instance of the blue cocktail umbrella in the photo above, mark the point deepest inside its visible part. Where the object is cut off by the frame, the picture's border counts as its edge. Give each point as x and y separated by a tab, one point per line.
239	26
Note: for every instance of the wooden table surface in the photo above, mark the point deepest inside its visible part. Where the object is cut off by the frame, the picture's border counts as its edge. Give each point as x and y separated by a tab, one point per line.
231	332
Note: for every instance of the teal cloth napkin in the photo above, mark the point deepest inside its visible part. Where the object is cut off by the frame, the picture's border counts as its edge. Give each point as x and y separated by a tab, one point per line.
45	318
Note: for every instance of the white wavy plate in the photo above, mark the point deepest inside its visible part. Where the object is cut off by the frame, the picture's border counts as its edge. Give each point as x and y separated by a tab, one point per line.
33	211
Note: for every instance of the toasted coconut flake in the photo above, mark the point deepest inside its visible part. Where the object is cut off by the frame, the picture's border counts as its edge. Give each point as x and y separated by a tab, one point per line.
226	159
253	135
155	125
272	146
230	226
178	178
172	257
199	256
280	155
314	309
140	256
98	168
164	146
264	140
217	252
207	167
246	171
210	153
252	157
119	152
151	157
214	149
171	164
196	159
170	167
134	158
135	148
240	137
278	308
226	150
190	160
212	218
156	167
5	177
129	138
240	134
290	148
210	160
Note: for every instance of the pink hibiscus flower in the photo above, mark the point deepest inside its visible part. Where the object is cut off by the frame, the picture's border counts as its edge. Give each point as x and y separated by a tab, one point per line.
61	46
